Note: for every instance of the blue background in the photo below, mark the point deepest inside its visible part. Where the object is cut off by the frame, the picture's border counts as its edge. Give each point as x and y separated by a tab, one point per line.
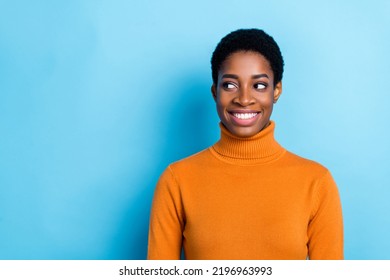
97	97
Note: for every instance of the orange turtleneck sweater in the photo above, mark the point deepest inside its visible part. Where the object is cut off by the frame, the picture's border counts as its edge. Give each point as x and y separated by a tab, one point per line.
246	198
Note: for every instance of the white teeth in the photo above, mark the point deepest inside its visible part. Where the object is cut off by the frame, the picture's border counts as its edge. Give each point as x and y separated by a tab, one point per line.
244	116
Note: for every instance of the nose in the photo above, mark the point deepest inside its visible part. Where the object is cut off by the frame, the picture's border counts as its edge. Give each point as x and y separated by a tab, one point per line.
244	97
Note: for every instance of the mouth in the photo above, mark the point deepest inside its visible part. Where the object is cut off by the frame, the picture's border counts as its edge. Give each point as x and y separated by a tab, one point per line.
244	118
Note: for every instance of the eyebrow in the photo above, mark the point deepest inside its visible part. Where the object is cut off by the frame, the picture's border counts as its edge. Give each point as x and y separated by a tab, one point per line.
232	76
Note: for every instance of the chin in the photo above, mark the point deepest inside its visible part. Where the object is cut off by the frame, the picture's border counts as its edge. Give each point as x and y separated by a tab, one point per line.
245	131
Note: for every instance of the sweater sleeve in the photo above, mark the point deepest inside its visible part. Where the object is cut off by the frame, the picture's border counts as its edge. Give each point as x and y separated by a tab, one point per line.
325	229
166	220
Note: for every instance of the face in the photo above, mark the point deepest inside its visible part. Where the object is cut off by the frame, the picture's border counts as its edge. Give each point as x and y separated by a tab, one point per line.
245	93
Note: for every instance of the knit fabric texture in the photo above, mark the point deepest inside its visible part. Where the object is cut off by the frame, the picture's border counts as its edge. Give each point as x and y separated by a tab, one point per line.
246	198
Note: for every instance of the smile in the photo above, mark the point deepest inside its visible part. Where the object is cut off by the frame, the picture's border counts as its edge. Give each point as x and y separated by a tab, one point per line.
244	116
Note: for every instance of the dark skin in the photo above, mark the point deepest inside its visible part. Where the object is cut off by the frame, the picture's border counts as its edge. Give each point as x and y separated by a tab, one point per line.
245	93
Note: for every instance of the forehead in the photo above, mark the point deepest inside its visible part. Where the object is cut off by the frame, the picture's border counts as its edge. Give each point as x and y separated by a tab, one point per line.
244	63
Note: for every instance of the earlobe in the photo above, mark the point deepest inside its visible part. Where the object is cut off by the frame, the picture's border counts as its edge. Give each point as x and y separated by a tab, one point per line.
277	91
214	92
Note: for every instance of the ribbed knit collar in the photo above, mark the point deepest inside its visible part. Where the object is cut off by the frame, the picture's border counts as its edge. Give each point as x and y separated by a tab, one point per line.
259	148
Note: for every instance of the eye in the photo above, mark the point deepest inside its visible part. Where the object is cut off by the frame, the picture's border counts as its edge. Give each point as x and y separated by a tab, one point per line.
260	86
228	85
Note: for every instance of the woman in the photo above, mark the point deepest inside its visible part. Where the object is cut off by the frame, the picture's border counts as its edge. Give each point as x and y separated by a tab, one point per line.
246	197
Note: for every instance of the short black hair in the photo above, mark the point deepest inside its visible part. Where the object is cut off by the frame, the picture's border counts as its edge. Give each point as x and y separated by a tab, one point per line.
255	40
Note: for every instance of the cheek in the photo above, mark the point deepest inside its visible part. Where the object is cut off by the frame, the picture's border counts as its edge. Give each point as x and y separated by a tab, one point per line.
266	100
223	100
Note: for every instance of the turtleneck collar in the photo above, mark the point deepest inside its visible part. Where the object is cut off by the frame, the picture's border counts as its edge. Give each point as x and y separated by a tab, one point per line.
259	148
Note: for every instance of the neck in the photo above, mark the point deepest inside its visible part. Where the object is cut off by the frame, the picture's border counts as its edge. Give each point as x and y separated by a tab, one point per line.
259	148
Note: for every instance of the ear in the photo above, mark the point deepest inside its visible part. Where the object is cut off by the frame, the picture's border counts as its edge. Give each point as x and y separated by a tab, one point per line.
277	91
214	92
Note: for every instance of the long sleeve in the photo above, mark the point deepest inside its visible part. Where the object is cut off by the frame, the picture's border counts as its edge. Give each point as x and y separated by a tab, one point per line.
246	199
166	220
325	229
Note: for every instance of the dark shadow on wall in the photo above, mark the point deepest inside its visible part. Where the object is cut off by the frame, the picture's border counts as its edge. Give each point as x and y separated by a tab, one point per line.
189	125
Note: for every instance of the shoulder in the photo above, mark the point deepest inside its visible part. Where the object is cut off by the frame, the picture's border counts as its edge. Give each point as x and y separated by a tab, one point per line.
197	160
303	164
186	165
184	170
315	174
